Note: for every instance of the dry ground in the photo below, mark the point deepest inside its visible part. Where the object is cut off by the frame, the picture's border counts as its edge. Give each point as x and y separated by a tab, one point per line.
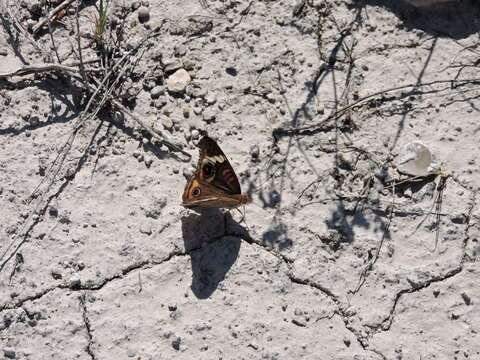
338	257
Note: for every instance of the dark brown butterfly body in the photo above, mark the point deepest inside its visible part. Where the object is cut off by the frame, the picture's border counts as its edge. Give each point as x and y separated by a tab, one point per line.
214	184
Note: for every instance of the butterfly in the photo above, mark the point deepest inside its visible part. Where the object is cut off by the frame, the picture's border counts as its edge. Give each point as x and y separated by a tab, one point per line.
214	184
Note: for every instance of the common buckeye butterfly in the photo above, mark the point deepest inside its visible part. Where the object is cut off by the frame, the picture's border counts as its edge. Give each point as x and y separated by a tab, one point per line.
214	183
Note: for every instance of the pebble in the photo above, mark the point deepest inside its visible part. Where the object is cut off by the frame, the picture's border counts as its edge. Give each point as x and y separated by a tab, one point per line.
178	81
180	50
168	110
132	43
271	98
157	91
199	93
187	172
75	282
52	210
167	334
453	316
458	218
172	307
211	98
160	103
143	14
137	153
30	24
415	159
35	7
189	90
155	210
172	65
148	160
149	84
167	123
146	229
56	273
188	64
9	353
466	298
186	112
3	52
135	5
157	54
231	70
254	151
209	115
176	343
195	134
346	341
131	353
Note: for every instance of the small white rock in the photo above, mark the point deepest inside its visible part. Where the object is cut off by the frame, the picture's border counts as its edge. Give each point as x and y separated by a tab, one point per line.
148	160
75	281
157	91
178	81
195	134
416	159
167	123
143	14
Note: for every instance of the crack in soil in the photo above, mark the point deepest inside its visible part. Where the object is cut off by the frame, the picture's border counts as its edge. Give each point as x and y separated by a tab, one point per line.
387	323
88	327
314	285
341	311
90	286
143	265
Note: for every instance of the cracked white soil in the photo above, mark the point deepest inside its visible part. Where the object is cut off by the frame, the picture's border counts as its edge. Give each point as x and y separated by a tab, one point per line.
311	101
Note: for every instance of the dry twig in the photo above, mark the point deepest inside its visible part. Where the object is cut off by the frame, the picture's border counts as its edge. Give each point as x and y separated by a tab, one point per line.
35	69
51	14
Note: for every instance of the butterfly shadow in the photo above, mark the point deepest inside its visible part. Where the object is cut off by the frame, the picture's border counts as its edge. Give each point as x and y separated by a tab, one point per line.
212	251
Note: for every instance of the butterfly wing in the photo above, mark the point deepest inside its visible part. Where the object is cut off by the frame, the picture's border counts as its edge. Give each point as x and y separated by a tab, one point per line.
201	194
214	183
214	168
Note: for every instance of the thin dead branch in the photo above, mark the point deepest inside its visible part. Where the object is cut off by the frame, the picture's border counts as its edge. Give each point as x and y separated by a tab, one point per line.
40	68
51	15
80	56
337	114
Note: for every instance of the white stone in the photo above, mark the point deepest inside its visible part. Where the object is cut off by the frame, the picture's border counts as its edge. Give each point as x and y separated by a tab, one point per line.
178	81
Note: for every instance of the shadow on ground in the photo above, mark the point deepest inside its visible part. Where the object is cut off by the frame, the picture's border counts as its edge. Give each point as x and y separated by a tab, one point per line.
211	250
455	19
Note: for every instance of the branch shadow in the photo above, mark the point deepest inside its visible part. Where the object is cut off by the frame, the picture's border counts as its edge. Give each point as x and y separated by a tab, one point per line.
212	251
71	97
